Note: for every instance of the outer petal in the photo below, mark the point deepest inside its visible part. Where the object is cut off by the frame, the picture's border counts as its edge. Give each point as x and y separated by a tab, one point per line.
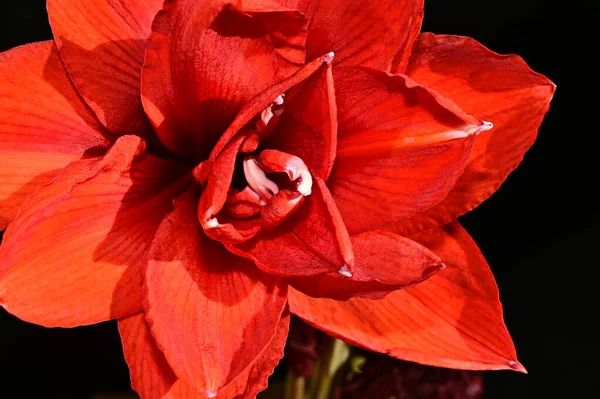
454	319
102	43
312	241
307	127
204	61
211	312
44	124
73	253
401	147
384	262
152	377
498	88
373	33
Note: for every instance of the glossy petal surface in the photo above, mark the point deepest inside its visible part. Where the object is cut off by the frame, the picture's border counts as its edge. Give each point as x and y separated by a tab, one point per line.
102	43
314	240
453	319
373	33
205	60
152	377
73	254
501	89
401	147
307	127
384	262
42	128
212	313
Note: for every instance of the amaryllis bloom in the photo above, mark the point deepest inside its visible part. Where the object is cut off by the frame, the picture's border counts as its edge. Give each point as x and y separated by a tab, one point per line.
197	169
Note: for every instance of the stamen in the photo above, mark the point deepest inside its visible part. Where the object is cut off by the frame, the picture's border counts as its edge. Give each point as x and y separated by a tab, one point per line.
258	181
295	168
274	109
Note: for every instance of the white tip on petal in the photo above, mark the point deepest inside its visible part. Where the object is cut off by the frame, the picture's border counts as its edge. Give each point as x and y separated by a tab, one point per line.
211	223
328	58
211	394
345	271
278	100
305	186
484	127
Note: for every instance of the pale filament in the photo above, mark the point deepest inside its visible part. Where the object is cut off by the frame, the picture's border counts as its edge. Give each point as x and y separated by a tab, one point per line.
258	181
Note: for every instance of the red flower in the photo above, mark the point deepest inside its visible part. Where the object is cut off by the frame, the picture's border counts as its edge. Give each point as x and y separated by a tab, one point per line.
189	170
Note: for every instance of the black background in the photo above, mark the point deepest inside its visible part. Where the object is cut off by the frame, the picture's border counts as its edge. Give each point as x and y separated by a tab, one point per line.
539	231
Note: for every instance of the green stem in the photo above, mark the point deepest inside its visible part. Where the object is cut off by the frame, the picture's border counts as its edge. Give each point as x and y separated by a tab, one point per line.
335	355
294	386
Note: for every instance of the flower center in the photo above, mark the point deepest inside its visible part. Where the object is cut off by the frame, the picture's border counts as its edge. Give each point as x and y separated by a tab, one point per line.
275	161
272	187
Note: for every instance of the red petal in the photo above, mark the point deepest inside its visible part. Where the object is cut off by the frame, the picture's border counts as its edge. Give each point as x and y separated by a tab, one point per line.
280	207
211	312
497	88
102	44
453	319
373	33
217	188
400	150
44	124
152	377
73	253
203	63
384	262
307	127
264	99
312	241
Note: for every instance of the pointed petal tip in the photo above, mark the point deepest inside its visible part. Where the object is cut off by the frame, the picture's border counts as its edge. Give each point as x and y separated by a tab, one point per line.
485	126
442	266
328	58
516	366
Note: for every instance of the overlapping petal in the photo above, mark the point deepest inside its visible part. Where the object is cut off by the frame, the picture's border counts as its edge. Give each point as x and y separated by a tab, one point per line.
102	43
152	377
205	60
314	240
453	319
211	313
307	127
72	256
374	33
401	147
501	89
384	262
44	124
